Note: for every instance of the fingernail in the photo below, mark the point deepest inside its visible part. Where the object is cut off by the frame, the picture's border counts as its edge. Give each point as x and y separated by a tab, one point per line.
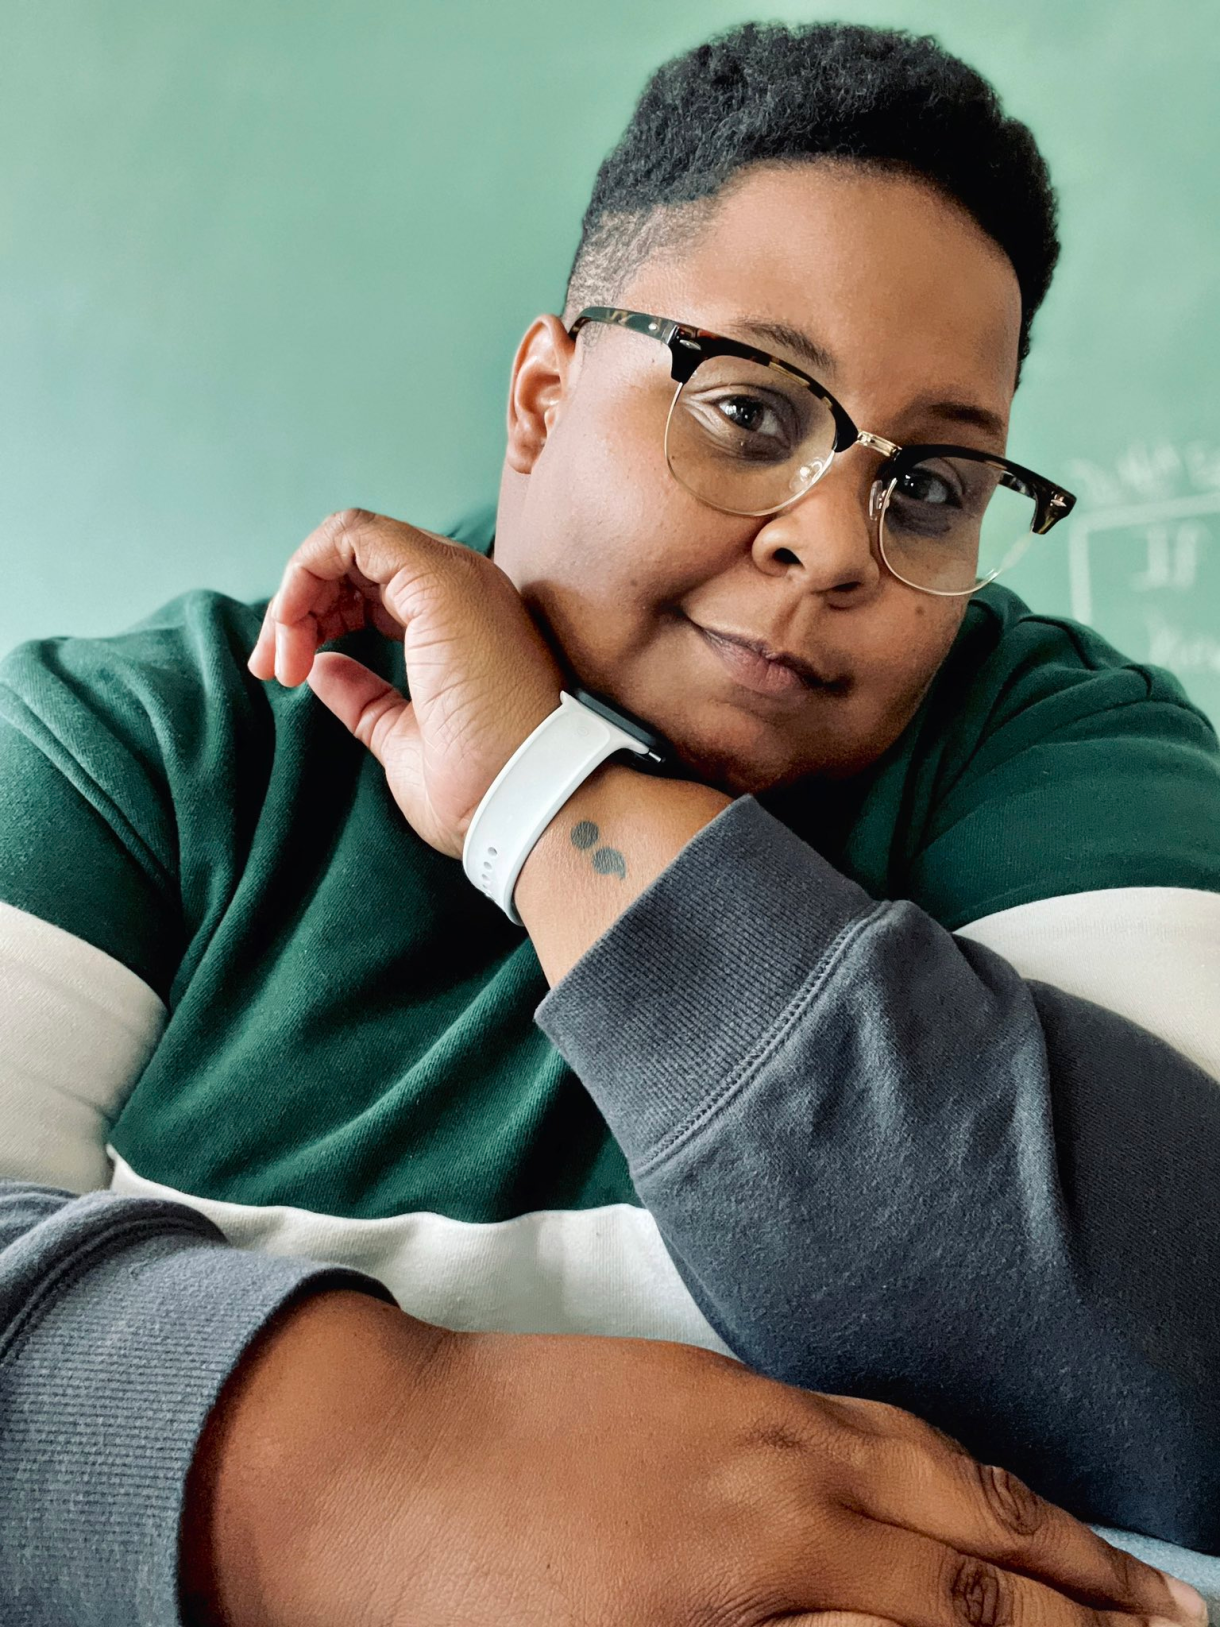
281	650
1186	1598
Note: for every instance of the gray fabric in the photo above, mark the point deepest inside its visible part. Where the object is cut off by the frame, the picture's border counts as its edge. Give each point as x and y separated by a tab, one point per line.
884	1164
120	1319
1202	1571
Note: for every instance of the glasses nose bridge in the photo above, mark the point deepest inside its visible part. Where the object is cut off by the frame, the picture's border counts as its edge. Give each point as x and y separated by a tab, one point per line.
876	443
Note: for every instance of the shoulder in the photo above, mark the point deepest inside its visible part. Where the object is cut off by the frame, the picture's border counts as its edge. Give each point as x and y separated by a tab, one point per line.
93	731
114	750
116	712
190	632
191	649
1045	762
1016	676
168	682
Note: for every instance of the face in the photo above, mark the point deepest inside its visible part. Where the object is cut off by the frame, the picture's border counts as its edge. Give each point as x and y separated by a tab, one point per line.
650	593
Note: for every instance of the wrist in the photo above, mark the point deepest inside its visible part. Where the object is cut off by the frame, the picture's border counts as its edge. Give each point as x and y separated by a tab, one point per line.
548	767
605	846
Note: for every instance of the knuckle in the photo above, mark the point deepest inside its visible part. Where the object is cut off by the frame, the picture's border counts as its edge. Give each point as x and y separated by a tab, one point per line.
1019	1510
453	559
867	1439
886	1418
776	1435
978	1592
761	1415
946	1442
1130	1575
859	1415
349	519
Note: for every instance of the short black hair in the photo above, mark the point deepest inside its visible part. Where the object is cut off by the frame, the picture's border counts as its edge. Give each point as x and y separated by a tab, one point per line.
769	93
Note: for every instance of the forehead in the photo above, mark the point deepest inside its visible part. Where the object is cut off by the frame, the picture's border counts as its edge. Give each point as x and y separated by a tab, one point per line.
906	293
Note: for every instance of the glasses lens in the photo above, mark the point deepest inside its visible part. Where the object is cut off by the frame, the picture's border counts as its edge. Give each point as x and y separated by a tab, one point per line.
745	437
950	524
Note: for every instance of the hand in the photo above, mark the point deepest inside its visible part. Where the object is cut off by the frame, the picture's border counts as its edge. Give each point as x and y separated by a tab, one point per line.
366	1467
479	673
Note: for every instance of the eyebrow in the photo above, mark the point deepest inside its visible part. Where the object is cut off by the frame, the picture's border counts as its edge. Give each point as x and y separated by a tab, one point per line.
820	361
960	412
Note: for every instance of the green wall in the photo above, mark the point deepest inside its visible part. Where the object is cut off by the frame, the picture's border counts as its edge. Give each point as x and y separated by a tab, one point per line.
259	261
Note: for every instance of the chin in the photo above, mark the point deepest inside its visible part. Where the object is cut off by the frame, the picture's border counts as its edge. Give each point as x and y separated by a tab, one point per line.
741	774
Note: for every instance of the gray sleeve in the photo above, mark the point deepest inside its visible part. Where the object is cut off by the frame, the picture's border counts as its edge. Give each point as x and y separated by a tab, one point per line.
120	1319
885	1164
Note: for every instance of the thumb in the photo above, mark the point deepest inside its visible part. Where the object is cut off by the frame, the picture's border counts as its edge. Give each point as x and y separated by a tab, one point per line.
372	709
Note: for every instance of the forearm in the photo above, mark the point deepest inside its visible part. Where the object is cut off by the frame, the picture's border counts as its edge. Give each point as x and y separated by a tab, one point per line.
885	1164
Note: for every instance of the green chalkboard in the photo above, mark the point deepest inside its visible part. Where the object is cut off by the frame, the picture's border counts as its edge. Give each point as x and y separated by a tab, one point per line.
258	262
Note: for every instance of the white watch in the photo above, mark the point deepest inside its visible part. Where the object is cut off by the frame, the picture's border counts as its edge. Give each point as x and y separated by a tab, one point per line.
538	779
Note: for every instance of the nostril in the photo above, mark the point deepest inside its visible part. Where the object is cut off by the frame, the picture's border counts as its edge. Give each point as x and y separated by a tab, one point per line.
785	556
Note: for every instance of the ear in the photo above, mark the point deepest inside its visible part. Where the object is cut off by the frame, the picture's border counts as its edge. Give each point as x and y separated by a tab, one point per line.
542	374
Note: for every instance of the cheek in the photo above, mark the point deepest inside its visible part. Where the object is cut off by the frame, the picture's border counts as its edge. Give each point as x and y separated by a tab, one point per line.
594	502
902	669
610	540
893	674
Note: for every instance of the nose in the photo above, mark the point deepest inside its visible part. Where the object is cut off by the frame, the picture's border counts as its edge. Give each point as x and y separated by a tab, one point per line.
829	537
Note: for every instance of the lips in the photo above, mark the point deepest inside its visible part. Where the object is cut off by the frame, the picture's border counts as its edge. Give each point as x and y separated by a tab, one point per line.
766	671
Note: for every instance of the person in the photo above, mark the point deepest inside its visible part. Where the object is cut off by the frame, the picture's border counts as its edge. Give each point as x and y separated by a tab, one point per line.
891	997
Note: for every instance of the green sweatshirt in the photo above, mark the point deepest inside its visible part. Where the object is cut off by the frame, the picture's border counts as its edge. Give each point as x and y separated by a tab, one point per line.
225	956
350	1025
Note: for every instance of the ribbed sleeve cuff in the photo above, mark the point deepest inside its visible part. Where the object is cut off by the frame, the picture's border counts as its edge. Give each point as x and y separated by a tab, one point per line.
104	1392
672	1006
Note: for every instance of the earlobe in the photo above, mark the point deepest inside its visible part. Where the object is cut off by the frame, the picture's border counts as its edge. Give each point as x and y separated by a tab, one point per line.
539	382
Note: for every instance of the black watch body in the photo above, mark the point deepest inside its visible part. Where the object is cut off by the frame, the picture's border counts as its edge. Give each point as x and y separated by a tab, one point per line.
659	756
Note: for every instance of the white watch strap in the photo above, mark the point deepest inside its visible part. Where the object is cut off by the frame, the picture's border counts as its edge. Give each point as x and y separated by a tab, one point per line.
529	791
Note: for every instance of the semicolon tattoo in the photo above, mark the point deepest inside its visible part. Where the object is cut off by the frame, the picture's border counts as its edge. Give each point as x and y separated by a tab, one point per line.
607	861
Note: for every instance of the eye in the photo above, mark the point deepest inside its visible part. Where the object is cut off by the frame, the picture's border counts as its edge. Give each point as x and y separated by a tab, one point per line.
752	425
748	413
926	485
